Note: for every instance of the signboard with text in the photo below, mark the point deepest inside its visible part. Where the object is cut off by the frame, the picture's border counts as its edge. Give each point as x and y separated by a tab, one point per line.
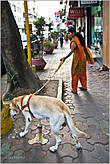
85	3
76	13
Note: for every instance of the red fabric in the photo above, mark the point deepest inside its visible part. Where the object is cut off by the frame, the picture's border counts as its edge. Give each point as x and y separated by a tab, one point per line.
80	48
83	81
27	105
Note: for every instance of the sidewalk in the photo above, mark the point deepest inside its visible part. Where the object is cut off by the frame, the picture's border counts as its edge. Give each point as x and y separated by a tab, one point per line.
90	112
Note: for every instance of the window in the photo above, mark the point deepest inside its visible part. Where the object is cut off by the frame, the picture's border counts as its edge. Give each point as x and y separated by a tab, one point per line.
18	9
19	19
14	8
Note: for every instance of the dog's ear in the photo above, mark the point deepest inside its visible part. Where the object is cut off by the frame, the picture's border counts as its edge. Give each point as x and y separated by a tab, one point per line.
15	106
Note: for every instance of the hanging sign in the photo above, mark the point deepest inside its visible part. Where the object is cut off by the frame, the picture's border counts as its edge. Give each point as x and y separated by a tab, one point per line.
86	3
76	13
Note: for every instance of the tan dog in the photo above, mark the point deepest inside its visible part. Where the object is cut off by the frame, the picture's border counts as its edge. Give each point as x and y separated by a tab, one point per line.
42	107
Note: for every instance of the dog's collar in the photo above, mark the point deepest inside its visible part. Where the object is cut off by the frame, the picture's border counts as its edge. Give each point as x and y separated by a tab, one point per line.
27	105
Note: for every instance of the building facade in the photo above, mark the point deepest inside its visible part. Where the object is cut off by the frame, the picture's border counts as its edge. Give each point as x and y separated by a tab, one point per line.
17	8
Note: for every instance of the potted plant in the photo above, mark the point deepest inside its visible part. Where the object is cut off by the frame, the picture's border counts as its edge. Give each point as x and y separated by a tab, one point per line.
38	60
48	47
55	38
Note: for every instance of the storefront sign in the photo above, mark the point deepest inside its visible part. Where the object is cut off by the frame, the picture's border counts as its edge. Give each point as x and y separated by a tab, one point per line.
76	13
86	3
57	13
57	16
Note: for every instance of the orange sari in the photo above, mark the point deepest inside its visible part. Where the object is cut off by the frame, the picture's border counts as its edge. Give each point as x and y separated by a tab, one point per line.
78	68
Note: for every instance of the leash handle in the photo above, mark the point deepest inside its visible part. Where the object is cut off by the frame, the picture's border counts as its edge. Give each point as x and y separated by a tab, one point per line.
60	64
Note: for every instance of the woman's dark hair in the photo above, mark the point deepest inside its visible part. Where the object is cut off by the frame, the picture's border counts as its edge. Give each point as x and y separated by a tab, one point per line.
80	37
72	29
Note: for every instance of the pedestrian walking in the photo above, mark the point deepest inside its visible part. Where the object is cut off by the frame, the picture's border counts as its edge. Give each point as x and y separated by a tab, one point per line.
81	55
61	39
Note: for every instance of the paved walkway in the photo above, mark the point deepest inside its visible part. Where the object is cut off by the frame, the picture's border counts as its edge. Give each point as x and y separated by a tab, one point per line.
90	112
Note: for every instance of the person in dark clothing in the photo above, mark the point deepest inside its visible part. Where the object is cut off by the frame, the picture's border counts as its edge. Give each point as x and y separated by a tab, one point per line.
61	39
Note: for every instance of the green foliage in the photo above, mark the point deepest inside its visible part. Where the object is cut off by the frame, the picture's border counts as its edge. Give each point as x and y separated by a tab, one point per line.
48	44
55	35
40	23
50	25
12	78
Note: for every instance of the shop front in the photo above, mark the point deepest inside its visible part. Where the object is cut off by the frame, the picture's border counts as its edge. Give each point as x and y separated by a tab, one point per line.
97	25
76	15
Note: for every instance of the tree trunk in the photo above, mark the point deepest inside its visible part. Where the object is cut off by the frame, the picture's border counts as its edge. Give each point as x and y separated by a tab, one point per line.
18	70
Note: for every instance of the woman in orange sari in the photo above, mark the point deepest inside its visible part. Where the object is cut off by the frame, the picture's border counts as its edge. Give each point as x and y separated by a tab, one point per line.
81	55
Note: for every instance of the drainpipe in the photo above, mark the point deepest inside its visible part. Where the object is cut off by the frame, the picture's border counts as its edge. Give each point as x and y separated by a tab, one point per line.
27	33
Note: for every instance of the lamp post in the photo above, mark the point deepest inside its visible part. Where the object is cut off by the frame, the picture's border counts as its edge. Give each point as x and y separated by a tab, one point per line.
27	32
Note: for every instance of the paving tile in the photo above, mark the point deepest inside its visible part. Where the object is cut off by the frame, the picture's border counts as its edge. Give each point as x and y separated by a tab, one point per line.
64	130
85	145
19	153
52	157
67	159
67	138
5	148
33	127
85	157
35	155
45	122
100	138
17	157
30	136
68	150
100	153
36	131
79	118
79	125
92	130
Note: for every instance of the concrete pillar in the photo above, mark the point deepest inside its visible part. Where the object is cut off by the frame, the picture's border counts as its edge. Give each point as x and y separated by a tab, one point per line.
106	16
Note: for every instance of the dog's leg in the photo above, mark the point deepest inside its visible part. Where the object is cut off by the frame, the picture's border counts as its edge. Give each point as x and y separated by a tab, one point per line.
58	140
28	120
55	128
78	145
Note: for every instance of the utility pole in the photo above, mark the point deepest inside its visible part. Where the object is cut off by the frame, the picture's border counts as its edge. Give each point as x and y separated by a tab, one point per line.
27	33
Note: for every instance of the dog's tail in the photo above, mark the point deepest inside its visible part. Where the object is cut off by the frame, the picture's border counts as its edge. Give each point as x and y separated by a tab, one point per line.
71	124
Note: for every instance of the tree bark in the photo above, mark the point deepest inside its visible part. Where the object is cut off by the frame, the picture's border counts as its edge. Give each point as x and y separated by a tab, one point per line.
18	70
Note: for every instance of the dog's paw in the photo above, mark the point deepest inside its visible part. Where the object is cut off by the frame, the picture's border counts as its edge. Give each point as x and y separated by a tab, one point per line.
79	149
22	134
78	146
53	149
39	126
87	136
